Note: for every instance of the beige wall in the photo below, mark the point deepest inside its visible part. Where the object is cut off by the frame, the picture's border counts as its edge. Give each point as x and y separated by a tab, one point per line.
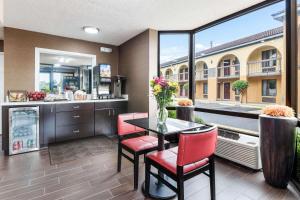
244	54
153	46
136	62
199	89
19	52
254	92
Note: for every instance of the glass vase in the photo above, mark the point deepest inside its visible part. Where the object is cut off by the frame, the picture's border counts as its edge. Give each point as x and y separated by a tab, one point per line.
162	114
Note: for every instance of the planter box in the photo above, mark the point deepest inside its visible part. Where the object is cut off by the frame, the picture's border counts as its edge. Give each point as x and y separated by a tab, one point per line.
277	147
185	113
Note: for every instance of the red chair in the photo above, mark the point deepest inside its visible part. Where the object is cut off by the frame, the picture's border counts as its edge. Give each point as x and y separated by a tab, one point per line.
193	156
134	140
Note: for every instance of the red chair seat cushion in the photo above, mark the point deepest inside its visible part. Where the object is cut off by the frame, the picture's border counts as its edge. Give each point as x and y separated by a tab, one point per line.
168	159
141	143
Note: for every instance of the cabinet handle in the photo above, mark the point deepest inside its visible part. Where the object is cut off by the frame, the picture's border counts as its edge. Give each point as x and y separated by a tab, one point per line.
108	112
76	107
76	116
113	112
76	131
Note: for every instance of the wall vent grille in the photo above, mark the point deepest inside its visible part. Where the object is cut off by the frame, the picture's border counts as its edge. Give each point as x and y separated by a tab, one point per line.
239	148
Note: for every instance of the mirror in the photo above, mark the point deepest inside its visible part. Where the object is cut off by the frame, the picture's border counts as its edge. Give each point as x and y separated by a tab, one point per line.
60	72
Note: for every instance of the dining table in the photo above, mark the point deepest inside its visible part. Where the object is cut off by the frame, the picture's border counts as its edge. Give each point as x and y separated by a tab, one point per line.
172	126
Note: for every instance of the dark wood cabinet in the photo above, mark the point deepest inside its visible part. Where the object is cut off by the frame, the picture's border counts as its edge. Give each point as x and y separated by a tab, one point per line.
74	121
119	108
65	121
77	131
48	124
64	107
103	125
106	117
74	117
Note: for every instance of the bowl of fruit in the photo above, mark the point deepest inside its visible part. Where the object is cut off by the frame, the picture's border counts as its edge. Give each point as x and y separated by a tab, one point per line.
36	96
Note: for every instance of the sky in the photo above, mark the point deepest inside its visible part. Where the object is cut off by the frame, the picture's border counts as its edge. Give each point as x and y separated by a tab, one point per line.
175	46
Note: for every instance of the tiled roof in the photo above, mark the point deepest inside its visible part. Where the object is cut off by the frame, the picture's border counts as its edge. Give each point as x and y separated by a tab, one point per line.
230	45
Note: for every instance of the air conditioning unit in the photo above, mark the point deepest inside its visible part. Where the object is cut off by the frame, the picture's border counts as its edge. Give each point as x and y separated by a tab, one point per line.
239	148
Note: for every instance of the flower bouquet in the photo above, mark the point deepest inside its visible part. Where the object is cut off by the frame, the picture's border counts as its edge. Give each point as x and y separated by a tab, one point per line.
164	91
277	143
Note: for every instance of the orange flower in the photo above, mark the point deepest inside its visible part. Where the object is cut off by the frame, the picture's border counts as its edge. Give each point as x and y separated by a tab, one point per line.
185	102
278	111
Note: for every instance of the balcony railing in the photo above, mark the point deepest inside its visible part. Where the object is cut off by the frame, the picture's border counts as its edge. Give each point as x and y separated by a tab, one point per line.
183	77
267	67
201	75
173	77
230	71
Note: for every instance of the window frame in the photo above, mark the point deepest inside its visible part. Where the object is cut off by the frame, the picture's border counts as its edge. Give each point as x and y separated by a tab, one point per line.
290	47
267	94
291	55
205	90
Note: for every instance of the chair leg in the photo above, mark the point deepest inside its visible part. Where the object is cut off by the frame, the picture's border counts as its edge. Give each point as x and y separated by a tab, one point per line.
147	176
180	189
212	178
136	171
119	156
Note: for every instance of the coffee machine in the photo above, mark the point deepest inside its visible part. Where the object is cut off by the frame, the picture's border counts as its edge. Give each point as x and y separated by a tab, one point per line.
102	81
119	86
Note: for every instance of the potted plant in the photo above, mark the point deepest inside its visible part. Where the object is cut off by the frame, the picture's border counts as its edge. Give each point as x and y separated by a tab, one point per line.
164	92
240	86
277	144
185	109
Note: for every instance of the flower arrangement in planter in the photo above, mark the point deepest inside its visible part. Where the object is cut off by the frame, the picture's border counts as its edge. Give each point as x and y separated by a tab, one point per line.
185	109
164	92
185	102
278	111
277	144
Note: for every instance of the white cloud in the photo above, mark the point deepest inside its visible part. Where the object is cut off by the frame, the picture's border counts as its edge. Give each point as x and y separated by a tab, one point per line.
200	47
172	53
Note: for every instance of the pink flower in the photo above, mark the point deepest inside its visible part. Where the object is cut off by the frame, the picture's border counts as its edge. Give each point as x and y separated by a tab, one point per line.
156	80
163	82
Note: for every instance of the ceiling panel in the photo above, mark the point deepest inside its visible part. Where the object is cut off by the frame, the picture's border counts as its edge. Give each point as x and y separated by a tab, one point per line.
118	20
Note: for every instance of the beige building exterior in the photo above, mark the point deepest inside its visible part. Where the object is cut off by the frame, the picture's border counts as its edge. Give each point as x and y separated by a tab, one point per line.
257	59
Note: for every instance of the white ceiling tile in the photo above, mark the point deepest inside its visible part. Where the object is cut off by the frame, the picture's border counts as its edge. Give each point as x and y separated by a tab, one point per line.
118	20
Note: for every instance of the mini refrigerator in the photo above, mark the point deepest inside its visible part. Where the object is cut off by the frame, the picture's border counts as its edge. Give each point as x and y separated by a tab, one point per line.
23	129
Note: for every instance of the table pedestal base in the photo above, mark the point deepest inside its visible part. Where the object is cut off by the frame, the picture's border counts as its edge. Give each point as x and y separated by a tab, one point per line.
158	190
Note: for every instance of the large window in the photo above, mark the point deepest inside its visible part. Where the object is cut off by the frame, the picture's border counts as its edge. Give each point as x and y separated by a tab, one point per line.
205	90
269	88
174	60
269	58
296	173
248	48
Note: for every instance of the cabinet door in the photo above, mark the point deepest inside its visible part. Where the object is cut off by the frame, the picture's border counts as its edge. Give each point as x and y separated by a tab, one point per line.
103	121
116	112
49	124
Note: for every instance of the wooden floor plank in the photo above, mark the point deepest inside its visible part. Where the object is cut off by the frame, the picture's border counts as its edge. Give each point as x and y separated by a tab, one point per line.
31	177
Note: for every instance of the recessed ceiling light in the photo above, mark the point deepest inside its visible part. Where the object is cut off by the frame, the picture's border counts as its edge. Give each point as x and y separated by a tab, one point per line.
91	29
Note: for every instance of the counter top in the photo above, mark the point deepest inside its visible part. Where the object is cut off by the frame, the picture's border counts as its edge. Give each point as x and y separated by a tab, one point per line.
58	102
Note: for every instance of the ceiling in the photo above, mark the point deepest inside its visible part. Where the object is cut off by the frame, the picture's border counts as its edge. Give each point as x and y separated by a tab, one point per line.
118	20
46	58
